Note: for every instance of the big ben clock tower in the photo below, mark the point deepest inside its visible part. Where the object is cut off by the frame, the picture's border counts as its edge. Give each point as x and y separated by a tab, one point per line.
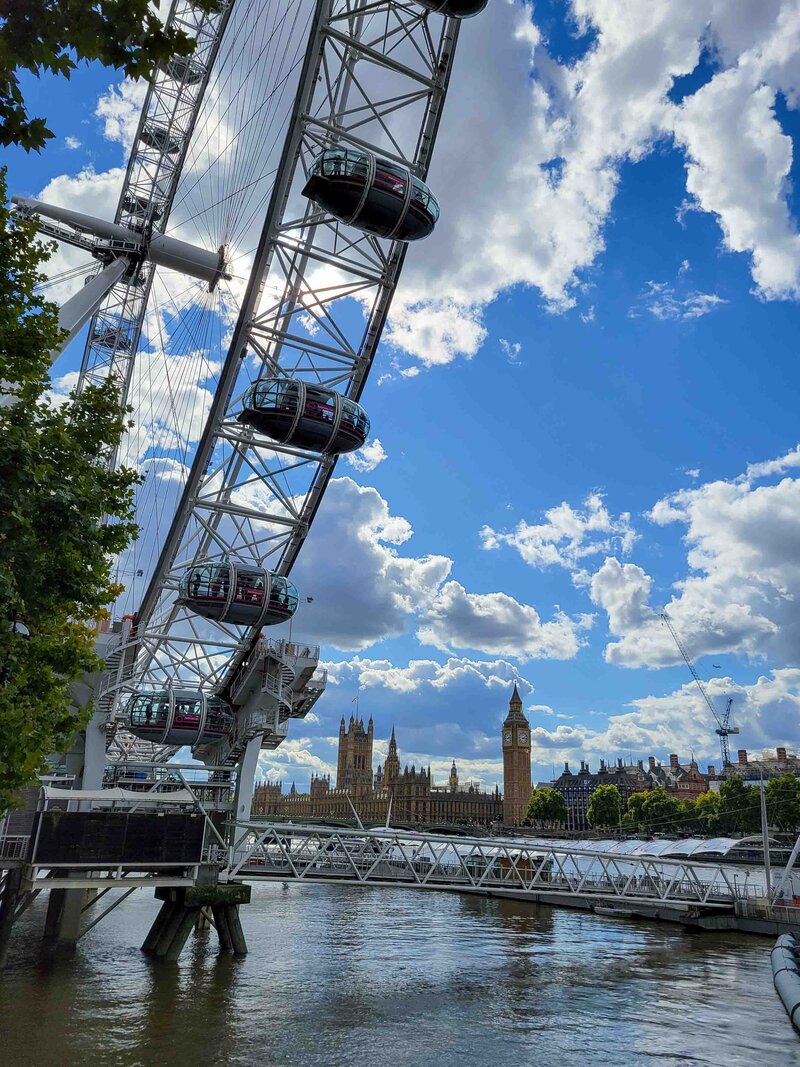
516	762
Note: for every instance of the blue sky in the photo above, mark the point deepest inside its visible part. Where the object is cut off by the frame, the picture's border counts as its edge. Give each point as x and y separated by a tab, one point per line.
594	417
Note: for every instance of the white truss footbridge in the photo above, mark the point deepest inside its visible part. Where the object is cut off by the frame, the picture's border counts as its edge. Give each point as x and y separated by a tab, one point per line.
490	866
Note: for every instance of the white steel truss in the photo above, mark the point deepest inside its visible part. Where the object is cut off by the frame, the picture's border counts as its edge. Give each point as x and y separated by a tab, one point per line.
431	861
374	77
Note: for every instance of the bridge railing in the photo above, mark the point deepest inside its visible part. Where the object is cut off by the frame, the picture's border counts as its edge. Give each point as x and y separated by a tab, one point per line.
14	846
386	856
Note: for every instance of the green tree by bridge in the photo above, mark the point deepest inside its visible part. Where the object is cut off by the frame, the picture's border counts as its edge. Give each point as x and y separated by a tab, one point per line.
704	814
654	812
783	803
605	807
546	808
739	807
63	516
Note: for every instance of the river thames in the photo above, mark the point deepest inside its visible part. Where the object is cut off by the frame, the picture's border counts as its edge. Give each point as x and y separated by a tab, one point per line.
340	975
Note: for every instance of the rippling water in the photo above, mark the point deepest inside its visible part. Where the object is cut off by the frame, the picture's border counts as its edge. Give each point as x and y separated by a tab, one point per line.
340	975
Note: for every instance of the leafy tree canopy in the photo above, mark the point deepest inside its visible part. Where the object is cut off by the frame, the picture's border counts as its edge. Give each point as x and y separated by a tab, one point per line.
546	807
632	820
657	812
605	806
783	803
739	807
55	35
705	813
55	493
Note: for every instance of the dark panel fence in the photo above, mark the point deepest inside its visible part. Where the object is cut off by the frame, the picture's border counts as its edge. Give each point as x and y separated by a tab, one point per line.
104	838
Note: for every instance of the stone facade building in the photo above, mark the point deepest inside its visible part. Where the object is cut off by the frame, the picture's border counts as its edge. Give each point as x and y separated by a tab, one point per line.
684	781
413	796
577	787
354	766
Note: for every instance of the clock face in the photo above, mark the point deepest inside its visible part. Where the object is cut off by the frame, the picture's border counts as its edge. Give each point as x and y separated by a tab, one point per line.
523	736
507	737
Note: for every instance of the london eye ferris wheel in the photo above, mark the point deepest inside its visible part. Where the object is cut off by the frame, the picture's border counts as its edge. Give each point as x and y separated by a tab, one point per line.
274	184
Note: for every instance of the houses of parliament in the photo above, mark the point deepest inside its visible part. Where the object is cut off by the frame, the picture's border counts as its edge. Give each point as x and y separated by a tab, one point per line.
411	792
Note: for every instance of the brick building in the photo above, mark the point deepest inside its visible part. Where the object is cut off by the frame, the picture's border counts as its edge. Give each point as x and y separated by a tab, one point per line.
753	770
683	780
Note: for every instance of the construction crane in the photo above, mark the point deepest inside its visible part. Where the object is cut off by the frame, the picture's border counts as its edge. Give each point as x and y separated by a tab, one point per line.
724	728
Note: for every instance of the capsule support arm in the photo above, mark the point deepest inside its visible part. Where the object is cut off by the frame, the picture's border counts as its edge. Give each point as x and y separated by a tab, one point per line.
83	304
160	249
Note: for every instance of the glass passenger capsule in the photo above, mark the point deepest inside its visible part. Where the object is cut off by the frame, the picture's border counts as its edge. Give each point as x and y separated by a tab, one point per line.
305	415
159	137
111	338
456	9
179	717
375	195
142	207
186	70
238	593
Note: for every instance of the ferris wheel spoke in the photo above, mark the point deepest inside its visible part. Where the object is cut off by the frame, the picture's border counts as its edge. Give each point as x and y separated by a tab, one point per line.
219	176
253	130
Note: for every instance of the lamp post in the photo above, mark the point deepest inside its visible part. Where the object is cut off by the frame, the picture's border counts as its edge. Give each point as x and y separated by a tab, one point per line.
765	837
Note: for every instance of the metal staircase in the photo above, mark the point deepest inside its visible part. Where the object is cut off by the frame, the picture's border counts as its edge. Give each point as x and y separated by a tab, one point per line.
279	681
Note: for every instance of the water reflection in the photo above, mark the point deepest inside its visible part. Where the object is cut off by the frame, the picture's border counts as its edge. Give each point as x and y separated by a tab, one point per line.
337	975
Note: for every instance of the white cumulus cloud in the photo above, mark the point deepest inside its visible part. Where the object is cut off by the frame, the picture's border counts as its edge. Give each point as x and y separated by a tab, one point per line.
119	108
496	623
568	536
743	583
365	589
368	457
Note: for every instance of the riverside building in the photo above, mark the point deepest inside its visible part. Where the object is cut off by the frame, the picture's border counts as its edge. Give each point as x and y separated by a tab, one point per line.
414	796
754	770
682	780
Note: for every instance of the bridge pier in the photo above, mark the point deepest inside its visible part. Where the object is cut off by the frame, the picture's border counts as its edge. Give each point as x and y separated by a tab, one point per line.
8	905
186	908
64	910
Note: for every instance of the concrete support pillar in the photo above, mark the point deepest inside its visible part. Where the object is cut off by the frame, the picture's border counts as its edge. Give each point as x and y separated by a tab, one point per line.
94	754
184	928
55	903
169	930
185	909
8	905
69	926
235	930
223	932
157	929
64	910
